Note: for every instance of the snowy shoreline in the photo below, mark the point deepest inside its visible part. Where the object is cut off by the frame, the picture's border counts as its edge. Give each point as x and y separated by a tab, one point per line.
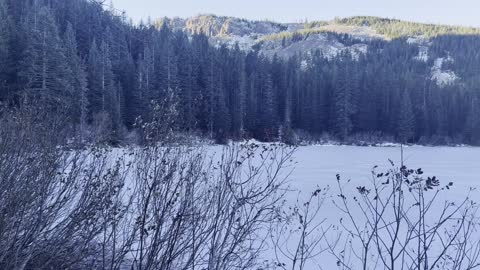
356	144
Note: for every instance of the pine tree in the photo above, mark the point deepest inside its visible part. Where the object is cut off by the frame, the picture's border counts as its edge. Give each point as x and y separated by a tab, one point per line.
44	72
368	109
251	114
103	92
4	48
291	93
110	89
140	99
100	78
268	128
186	82
222	117
406	119
321	94
125	73
213	88
219	118
238	92
78	80
240	104
473	122
166	69
344	104
95	85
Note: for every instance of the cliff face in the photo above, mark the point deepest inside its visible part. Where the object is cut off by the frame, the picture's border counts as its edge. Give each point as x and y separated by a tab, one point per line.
270	38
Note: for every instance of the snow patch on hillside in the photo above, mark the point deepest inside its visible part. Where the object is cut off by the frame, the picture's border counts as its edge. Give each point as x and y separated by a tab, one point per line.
245	43
423	47
329	47
304	65
357	50
440	76
415	40
422	54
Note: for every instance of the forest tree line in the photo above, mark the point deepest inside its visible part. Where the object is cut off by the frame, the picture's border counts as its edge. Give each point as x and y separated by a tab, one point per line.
393	28
80	59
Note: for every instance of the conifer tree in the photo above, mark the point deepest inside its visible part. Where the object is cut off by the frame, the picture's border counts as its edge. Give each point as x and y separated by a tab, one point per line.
95	85
212	91
343	107
238	89
473	122
186	82
268	127
406	119
43	68
104	93
166	69
140	99
4	48
78	80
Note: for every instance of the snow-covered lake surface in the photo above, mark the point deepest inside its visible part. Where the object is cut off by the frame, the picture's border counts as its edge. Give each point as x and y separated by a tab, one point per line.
317	166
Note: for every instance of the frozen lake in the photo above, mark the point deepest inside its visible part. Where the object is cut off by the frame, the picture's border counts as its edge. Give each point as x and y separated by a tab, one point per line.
317	166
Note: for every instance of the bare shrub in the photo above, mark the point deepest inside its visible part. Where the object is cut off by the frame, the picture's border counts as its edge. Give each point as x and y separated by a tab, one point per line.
52	201
298	236
246	189
193	212
400	221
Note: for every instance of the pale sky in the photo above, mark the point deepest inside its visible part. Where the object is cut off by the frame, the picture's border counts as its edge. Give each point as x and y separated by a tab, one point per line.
457	12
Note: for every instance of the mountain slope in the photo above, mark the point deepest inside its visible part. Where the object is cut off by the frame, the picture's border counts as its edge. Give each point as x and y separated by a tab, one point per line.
348	35
271	37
